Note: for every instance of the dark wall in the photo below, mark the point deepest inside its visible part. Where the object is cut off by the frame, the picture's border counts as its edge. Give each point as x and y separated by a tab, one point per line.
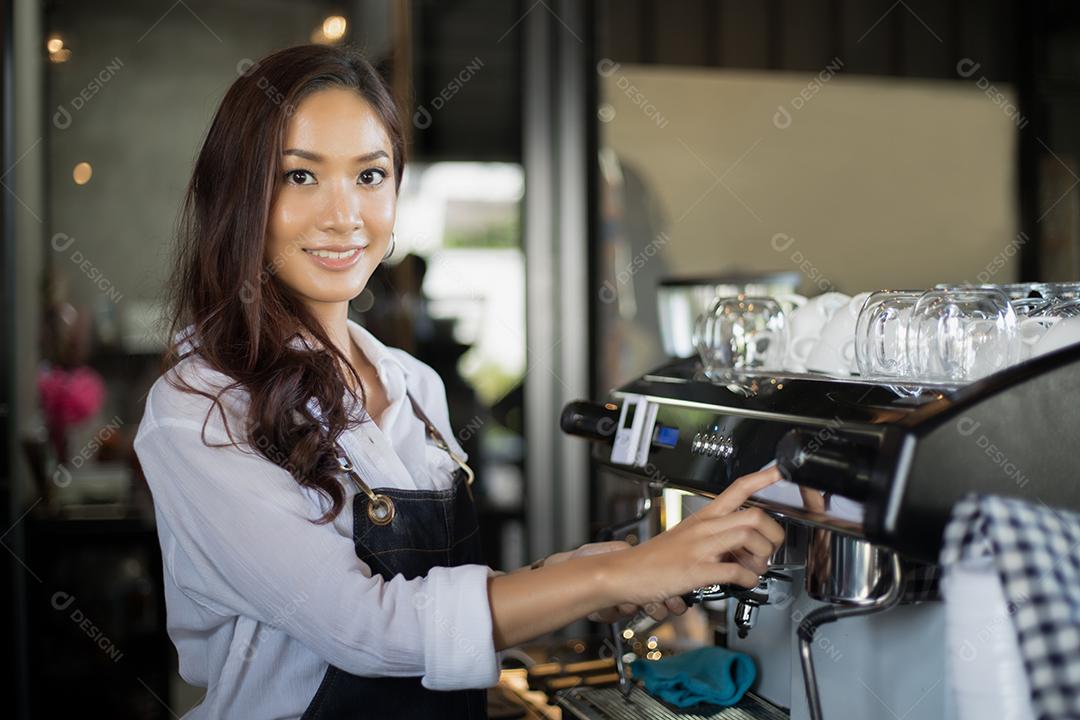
467	75
916	38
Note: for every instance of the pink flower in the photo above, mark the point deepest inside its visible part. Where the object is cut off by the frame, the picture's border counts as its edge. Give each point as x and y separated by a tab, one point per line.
69	397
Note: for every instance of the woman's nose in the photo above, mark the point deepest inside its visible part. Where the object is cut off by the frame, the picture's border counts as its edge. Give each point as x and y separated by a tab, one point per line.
344	209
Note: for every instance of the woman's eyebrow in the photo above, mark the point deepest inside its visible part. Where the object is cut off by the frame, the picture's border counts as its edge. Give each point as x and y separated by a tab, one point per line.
316	157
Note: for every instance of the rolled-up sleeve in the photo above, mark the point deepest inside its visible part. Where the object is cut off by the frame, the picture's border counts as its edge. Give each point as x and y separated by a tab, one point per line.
460	650
246	530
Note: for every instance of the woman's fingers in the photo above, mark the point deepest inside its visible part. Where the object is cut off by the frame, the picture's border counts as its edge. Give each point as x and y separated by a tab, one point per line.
741	551
611	614
740	491
718	544
657	611
753	517
746	540
733	574
751	561
608	615
766	525
675	605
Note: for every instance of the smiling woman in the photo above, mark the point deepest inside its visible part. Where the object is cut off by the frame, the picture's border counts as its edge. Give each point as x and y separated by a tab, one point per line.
318	207
337	208
255	223
280	603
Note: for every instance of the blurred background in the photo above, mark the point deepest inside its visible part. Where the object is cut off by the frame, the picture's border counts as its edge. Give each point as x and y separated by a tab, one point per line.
568	161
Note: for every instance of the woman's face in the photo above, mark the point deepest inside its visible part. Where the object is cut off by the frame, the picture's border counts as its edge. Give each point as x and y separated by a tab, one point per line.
336	194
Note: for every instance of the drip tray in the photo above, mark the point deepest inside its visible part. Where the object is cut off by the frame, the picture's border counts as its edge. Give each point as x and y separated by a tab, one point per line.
594	703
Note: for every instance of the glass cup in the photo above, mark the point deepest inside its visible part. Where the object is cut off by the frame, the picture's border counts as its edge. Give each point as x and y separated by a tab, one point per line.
1063	333
960	335
1031	306
1061	290
1014	291
881	334
1034	328
1031	330
1018	291
741	333
1064	308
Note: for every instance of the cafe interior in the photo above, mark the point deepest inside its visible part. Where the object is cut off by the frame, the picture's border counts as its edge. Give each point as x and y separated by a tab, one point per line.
648	247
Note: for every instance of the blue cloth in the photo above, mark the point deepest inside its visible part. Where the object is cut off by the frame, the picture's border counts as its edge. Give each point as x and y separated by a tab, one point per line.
711	675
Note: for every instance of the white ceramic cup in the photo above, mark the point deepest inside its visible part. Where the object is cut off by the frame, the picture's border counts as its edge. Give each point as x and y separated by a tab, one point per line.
834	352
805	325
1065	332
1031	331
789	302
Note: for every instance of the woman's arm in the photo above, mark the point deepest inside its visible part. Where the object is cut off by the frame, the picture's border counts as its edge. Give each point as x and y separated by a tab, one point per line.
526	605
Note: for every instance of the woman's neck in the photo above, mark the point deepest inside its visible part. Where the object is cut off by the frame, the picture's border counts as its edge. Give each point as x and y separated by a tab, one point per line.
334	319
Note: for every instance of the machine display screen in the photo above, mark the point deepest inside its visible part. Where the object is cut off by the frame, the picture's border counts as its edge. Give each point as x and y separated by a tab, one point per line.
666	436
630	412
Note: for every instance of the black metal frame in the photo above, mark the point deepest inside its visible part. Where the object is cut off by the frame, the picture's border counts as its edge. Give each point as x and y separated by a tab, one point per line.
12	602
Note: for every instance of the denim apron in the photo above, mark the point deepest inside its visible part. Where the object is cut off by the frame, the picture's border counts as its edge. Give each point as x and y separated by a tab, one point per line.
406	532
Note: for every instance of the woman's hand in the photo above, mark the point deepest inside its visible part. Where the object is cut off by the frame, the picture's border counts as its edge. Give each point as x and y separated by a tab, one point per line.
658	610
717	544
703	549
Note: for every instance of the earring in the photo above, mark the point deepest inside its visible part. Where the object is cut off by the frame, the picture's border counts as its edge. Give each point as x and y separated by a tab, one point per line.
390	250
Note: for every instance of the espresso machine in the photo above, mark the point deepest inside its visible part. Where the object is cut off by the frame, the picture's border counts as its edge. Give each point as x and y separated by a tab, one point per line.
848	622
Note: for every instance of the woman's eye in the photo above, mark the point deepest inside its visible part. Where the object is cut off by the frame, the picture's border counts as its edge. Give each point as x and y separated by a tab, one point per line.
374	176
300	177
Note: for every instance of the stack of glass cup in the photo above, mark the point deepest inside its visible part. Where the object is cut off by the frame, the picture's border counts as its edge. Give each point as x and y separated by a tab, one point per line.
961	333
950	334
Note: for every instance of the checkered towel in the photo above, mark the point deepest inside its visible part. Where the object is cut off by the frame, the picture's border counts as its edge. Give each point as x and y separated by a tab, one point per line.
1036	551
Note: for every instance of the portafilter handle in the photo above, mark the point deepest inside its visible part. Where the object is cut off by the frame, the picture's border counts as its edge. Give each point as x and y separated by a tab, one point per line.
748	597
823	460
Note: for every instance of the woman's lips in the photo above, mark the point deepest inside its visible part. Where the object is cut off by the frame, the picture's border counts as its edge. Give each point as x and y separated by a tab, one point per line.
336	261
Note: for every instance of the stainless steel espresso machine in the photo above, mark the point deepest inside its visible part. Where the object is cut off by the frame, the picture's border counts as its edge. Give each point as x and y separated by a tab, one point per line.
848	622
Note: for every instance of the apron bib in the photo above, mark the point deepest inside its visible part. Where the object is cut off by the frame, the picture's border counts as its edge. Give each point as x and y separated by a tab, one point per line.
406	532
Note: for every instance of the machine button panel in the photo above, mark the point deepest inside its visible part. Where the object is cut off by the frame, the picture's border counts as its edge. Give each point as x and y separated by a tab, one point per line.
712	445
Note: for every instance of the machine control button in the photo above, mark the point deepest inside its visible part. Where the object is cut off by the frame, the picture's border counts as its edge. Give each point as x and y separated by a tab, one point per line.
713	445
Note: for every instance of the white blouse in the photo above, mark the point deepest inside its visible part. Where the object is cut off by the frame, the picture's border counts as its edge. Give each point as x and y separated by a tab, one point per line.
260	599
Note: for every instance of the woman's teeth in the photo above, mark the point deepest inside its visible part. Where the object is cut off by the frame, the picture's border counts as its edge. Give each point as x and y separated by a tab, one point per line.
333	255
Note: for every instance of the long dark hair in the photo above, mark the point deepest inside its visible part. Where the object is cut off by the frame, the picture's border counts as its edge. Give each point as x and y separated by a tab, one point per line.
244	321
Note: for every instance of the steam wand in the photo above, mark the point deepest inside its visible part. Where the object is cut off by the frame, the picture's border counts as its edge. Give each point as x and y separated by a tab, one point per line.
829	614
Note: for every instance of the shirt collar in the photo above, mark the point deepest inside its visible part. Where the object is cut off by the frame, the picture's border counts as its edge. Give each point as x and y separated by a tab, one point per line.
376	352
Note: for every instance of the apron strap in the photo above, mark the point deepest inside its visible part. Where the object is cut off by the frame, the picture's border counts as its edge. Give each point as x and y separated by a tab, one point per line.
439	439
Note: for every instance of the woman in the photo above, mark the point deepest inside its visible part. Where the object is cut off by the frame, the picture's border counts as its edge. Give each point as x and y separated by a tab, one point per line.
313	506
